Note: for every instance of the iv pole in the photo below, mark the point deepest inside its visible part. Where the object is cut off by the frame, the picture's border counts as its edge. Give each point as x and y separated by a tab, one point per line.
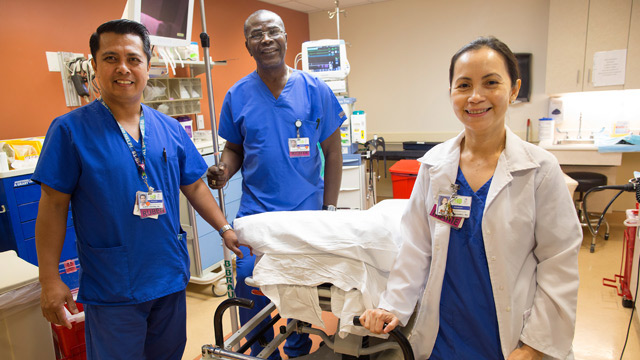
337	13
228	268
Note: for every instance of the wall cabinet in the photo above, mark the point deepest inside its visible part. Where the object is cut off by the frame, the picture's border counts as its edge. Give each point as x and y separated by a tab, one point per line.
580	28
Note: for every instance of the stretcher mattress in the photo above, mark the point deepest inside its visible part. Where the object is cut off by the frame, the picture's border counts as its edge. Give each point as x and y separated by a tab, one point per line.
298	250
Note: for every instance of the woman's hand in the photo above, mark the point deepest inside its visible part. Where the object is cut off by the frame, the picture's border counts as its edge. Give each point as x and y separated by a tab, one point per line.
374	320
525	352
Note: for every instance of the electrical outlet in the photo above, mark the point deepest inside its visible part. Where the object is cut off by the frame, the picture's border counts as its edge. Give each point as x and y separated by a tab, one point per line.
200	120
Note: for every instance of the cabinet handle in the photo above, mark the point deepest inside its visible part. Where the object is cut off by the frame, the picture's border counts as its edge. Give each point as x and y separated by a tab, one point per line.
2	209
578	78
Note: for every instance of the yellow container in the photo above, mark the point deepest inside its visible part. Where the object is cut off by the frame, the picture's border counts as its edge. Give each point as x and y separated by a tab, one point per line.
26	148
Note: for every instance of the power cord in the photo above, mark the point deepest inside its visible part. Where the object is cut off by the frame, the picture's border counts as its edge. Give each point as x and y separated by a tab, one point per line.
635	296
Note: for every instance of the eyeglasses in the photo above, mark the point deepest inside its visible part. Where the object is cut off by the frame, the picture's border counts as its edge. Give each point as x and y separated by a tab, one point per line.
259	35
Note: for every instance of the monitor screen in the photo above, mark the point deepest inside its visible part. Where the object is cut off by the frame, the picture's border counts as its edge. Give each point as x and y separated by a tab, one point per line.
327	59
524	65
169	21
324	58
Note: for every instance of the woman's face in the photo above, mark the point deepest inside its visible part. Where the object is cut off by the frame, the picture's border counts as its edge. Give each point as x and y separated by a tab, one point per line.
481	90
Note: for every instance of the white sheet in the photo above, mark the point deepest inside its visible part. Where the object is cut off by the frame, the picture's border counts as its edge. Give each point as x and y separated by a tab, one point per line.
299	250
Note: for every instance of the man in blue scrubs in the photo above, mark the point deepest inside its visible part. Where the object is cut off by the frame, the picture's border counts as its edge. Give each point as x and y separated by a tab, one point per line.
103	158
279	123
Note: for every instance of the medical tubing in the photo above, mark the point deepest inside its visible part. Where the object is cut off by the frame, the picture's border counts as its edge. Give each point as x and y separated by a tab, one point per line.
631	186
217	316
398	336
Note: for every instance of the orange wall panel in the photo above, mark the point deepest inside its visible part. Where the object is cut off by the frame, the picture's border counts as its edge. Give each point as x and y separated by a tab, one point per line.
31	96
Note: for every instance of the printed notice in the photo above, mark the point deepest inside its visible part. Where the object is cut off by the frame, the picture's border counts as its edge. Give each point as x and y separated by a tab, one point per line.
609	67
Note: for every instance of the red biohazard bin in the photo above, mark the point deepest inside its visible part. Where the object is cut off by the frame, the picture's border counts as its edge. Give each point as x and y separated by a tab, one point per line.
403	177
70	343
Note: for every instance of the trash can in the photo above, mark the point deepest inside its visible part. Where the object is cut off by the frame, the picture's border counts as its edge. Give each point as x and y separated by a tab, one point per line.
24	332
403	177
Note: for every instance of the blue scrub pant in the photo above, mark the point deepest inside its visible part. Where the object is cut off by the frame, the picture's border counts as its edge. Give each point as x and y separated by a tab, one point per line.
296	344
155	329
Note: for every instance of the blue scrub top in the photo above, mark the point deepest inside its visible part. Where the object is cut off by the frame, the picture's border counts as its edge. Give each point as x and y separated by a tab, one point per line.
468	320
124	259
252	117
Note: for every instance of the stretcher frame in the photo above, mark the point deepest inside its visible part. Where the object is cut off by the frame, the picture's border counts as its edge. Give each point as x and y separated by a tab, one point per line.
351	347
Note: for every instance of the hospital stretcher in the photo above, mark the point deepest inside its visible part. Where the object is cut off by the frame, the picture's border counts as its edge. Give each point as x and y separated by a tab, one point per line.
357	243
333	347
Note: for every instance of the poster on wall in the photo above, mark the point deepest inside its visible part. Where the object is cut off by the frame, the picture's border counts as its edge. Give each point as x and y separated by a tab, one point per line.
609	67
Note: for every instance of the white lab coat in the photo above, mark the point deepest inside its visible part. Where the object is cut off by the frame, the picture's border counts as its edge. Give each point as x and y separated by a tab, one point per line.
531	236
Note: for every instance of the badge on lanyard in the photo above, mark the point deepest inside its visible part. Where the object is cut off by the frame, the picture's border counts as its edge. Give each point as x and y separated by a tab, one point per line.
452	208
149	203
299	146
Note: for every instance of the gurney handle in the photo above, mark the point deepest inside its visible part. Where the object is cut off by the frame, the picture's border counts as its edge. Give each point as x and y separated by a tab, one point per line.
398	336
217	317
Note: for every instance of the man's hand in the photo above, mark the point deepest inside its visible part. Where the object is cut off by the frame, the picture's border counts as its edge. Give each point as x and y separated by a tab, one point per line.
52	299
525	352
374	320
231	242
217	176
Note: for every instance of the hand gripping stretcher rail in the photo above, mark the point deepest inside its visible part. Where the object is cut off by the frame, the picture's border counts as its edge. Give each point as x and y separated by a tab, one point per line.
333	348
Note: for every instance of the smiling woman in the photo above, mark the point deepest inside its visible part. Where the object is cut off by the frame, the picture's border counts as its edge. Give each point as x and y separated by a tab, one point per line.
479	285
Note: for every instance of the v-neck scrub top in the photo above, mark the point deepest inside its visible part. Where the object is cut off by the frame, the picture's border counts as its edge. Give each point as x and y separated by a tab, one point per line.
468	320
252	117
124	259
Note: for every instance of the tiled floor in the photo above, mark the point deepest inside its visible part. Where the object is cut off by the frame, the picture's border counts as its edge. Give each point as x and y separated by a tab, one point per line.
601	320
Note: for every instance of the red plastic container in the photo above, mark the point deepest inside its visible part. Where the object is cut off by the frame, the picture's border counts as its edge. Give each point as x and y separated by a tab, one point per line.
70	343
403	177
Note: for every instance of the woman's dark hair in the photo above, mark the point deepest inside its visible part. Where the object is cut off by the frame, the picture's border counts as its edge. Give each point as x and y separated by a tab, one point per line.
497	46
121	26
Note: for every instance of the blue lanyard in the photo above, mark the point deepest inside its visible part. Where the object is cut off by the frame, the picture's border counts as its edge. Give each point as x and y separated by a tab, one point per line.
140	163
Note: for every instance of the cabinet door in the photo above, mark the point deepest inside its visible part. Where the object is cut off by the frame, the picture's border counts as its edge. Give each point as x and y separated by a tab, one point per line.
566	45
608	30
632	80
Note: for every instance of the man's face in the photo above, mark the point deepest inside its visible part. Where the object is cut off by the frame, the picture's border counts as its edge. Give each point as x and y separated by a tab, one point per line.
267	50
121	68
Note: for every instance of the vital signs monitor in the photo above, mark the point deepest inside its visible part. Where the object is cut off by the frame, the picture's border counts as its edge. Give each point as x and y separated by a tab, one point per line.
326	59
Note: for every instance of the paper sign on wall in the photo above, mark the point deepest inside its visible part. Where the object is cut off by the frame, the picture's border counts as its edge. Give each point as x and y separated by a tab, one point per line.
609	67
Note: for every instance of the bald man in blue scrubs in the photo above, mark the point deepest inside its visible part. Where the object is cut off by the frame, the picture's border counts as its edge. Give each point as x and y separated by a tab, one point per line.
279	123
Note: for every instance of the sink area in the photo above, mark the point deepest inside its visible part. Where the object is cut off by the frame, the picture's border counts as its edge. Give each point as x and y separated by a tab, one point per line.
574	142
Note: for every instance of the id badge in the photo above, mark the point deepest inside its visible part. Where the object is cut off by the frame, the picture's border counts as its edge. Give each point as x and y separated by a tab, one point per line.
453	221
299	147
461	206
150	204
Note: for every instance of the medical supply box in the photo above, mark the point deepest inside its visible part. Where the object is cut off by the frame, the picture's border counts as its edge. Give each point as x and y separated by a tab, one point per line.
24	332
403	176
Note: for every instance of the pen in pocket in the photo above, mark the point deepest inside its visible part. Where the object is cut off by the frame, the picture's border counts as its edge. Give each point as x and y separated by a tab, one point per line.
164	154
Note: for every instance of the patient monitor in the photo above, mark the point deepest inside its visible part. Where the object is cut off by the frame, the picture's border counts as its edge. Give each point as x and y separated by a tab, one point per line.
327	59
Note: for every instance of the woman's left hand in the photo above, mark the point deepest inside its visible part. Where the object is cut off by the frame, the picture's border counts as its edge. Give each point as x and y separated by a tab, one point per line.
525	352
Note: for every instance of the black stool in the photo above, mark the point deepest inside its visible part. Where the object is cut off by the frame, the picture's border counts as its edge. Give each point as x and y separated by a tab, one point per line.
586	181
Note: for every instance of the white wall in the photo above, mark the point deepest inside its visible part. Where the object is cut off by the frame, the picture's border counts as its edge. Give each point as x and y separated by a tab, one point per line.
400	52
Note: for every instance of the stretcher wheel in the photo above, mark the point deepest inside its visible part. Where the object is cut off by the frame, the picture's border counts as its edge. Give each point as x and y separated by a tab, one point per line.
627	303
593	248
219	288
606	236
